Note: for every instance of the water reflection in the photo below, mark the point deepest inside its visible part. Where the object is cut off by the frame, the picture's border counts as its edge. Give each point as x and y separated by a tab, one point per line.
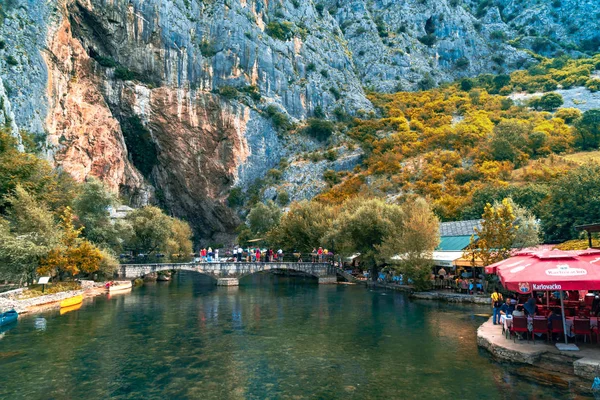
272	337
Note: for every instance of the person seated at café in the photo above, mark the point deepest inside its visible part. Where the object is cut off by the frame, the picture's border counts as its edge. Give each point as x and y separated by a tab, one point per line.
507	308
519	312
530	306
596	304
555	316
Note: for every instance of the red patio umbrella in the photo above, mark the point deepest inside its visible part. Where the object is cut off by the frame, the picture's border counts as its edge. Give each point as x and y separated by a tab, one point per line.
509	262
549	270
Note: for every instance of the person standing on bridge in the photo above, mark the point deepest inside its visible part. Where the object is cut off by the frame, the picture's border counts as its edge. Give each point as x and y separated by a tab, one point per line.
216	255
280	255
203	254
240	253
257	255
320	254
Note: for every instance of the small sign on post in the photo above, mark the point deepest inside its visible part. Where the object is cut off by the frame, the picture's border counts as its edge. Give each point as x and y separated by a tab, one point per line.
43	281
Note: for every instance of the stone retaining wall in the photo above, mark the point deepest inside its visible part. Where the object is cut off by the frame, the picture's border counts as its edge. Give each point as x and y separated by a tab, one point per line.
576	369
452	297
22	305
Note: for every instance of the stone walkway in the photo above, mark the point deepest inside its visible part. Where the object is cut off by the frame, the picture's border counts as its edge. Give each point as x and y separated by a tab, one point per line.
583	364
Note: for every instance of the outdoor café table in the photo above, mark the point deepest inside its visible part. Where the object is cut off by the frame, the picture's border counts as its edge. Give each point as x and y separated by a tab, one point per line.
507	321
569	323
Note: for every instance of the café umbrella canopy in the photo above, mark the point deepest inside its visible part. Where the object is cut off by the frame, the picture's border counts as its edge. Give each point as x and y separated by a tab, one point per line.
508	263
548	271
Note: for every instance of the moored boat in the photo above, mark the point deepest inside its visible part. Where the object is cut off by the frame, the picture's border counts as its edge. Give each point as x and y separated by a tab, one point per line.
119	286
74	307
71	301
8	317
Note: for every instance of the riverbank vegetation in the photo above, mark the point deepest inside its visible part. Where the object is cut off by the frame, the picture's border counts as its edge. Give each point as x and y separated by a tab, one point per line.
52	225
468	150
467	144
376	229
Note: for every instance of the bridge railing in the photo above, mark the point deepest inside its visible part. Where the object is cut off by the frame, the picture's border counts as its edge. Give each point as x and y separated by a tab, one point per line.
230	268
285	257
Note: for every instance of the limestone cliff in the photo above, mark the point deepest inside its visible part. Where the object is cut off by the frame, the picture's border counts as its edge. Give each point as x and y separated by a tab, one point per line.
165	100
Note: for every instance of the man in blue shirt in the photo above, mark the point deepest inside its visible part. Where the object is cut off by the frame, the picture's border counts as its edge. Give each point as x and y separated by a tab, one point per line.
507	308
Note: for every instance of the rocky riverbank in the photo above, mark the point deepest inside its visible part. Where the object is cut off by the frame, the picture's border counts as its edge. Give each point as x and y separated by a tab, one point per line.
10	300
543	362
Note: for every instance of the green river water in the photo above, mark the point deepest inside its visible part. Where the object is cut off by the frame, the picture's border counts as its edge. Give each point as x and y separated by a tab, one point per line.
272	337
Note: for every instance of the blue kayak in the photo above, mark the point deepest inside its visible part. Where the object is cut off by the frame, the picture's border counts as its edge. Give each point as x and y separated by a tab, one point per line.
8	317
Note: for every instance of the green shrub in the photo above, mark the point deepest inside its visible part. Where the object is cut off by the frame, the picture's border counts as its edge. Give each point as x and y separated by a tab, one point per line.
319	7
280	30
335	92
497	35
331	177
252	91
10	60
462	63
310	67
107	62
279	119
207	48
331	155
235	198
428	40
319	129
548	102
318	112
125	74
274	174
283	198
229	92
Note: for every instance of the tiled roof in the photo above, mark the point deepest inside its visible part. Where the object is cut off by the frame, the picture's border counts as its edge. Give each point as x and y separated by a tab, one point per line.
459	228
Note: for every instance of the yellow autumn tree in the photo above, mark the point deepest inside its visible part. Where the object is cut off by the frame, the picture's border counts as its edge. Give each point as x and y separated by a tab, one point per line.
74	255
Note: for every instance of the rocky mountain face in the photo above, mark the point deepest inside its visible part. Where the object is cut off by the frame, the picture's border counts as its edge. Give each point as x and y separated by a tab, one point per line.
177	101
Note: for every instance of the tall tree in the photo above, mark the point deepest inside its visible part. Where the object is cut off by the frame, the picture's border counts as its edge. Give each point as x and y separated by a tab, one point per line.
418	238
303	227
505	226
92	209
263	217
151	230
26	236
573	201
74	255
363	225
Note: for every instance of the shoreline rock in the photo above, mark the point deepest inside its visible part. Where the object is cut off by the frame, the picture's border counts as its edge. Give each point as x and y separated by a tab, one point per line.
49	301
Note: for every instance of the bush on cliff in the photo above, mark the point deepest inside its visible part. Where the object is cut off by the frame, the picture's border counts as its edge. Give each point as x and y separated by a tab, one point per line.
319	129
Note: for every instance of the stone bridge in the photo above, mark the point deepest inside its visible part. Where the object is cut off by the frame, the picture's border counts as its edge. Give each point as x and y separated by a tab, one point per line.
229	273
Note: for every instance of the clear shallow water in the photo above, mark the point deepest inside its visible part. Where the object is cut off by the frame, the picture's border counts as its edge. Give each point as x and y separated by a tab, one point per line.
273	337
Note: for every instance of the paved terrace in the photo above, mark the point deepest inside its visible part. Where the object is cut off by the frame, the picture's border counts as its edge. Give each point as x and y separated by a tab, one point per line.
229	273
545	361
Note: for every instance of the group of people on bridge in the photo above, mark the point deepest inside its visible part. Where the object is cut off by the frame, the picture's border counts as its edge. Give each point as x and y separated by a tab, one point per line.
239	254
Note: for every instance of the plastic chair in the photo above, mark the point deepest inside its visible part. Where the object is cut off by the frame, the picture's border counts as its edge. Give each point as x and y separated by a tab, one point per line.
582	327
540	325
584	313
556	326
519	325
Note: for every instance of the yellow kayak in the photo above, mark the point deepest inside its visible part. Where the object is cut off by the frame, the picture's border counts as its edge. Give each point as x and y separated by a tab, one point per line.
65	310
71	301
